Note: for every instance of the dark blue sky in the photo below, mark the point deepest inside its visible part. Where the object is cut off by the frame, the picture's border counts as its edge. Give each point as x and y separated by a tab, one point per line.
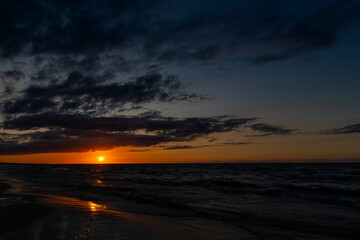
159	75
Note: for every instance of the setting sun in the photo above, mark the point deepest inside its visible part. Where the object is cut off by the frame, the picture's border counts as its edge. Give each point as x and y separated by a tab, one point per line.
101	159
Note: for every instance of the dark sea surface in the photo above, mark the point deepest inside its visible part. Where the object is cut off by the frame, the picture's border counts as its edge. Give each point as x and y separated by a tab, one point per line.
270	201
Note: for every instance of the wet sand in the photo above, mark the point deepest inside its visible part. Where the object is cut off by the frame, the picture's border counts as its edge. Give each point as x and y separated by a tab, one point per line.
39	216
18	211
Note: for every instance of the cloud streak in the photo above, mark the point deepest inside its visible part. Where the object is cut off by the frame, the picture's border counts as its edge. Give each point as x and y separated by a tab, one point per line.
267	129
78	92
349	129
77	132
55	132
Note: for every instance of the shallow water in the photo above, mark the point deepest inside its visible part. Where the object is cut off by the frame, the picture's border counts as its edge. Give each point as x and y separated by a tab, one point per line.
272	201
77	219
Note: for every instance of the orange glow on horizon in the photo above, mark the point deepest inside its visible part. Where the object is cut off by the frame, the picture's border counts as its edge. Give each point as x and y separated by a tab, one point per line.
292	149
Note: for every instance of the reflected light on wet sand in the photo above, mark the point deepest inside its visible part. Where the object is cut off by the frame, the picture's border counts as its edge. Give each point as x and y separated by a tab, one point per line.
94	207
77	204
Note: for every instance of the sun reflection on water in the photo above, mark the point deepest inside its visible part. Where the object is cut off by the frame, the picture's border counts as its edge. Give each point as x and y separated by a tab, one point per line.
94	207
86	229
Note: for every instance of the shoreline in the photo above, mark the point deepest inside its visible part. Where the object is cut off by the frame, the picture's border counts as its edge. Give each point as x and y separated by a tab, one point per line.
35	216
13	205
139	203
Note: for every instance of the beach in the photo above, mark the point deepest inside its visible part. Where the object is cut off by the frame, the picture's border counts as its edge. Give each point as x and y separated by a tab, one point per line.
215	201
17	211
179	120
39	216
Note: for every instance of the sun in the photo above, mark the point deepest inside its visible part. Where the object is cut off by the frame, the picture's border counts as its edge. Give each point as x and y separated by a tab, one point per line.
101	159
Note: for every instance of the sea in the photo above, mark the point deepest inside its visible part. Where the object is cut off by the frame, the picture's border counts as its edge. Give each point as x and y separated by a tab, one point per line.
268	201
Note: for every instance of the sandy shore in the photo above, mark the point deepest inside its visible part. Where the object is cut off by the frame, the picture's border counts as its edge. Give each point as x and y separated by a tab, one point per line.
38	216
17	210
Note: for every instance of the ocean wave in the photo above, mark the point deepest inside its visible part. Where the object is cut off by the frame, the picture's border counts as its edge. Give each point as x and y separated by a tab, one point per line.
240	194
322	189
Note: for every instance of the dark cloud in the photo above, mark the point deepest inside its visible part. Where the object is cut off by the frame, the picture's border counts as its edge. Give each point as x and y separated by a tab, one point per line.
9	78
28	105
318	29
355	128
179	147
267	129
58	27
264	31
12	75
50	68
139	150
178	30
235	143
55	132
78	92
79	132
80	61
183	128
54	142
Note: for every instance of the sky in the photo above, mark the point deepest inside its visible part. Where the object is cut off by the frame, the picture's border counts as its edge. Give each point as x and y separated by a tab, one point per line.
179	81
